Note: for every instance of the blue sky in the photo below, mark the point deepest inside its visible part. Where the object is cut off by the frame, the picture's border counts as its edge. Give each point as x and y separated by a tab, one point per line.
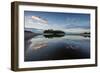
54	20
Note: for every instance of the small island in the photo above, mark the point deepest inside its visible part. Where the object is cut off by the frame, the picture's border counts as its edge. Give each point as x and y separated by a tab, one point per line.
85	34
53	33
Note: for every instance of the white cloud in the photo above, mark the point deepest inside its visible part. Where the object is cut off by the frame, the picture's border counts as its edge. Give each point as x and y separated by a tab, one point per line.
30	23
39	19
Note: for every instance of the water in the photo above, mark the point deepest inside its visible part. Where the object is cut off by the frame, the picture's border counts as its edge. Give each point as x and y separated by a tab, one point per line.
40	48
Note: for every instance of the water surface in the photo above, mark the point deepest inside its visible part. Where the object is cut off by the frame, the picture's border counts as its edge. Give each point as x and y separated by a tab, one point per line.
40	48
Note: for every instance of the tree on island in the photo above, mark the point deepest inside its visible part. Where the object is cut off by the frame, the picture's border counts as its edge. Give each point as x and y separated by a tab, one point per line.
54	31
86	33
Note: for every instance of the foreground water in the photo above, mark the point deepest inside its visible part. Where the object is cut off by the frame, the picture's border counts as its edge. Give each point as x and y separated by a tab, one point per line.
40	48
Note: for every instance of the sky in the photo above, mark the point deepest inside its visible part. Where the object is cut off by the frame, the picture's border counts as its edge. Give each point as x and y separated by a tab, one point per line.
69	22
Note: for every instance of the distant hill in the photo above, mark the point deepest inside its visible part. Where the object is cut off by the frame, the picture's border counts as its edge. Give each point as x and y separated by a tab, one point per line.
29	34
34	30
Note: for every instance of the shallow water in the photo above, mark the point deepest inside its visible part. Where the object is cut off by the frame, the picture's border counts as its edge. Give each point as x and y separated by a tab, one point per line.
66	47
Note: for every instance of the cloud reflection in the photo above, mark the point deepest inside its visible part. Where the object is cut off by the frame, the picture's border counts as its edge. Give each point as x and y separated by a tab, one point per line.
38	46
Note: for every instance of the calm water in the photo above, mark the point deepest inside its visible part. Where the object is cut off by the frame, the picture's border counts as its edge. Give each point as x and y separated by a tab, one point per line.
40	48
